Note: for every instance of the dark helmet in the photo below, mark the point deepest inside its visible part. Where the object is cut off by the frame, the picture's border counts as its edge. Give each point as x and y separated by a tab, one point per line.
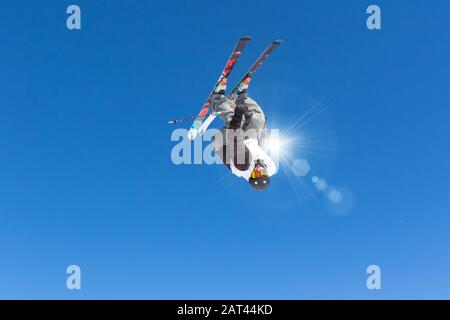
259	179
260	183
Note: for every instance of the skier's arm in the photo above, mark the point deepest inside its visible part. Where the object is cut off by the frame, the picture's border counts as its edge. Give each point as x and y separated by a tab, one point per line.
271	167
259	153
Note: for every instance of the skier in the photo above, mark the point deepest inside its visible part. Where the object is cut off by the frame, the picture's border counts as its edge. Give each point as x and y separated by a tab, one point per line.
237	143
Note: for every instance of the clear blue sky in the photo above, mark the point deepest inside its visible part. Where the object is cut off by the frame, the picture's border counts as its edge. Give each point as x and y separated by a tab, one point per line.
86	176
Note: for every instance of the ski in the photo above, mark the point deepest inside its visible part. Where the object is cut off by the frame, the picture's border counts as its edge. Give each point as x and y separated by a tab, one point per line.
220	86
242	85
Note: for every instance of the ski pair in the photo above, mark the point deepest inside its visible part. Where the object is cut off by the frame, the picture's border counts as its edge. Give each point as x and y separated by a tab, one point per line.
242	85
220	86
199	126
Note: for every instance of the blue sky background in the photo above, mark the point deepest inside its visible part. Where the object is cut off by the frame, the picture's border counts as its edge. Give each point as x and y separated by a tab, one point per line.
86	176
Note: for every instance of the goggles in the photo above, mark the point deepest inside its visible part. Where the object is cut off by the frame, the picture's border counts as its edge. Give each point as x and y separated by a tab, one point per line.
259	171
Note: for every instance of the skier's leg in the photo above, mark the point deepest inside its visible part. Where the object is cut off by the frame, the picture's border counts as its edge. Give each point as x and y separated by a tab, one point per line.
254	118
234	151
233	112
220	103
229	142
224	106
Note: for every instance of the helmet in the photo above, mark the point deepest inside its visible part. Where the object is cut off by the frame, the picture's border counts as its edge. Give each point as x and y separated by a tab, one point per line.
259	179
260	183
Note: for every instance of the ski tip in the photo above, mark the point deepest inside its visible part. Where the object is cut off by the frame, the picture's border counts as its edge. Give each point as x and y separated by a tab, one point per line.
246	38
171	122
278	41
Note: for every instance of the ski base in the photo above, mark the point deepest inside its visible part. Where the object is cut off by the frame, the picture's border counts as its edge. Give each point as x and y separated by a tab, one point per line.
242	85
220	85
